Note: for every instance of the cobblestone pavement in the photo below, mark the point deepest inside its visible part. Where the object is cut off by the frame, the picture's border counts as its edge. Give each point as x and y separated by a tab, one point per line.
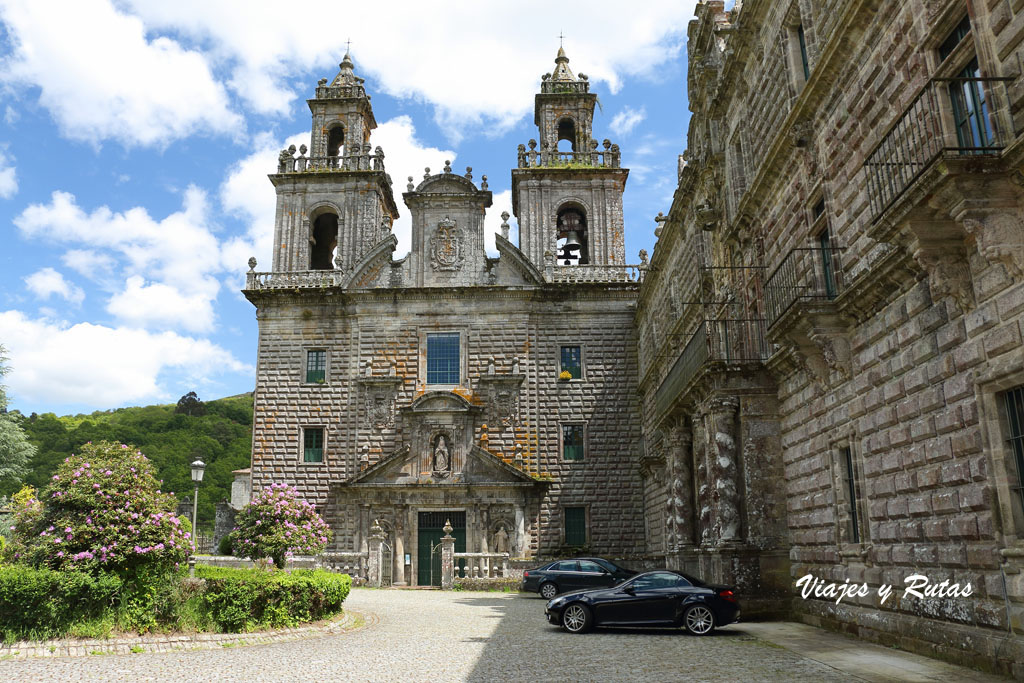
434	636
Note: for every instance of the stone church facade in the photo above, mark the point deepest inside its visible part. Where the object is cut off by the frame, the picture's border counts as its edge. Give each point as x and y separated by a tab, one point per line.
830	359
498	393
820	371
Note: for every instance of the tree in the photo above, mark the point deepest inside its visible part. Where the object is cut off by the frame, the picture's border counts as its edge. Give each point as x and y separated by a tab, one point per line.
277	524
102	510
15	450
190	405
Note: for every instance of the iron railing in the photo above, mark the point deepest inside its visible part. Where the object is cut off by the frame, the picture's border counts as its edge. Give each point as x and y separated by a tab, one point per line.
954	116
723	340
806	274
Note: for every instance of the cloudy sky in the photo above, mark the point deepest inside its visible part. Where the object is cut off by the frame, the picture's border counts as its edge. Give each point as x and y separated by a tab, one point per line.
136	137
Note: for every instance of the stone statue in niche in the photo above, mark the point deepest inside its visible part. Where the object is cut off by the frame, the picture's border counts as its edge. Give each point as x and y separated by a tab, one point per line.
442	458
446	246
501	540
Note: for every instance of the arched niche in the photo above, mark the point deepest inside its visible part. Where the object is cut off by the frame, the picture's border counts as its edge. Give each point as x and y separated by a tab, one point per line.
566	131
572	222
323	240
336	140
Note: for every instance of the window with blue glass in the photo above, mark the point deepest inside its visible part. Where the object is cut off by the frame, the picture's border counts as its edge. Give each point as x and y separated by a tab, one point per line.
572	442
572	361
443	360
313	444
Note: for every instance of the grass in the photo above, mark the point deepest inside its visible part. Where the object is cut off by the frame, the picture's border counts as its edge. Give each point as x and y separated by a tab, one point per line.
137	649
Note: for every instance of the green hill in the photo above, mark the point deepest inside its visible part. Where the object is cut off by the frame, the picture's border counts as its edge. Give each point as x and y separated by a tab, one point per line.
222	438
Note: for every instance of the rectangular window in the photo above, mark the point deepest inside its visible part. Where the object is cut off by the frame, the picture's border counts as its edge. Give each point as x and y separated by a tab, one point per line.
316	366
1015	416
576	526
572	361
828	272
313	444
572	442
851	494
443	358
803	52
953	40
971	109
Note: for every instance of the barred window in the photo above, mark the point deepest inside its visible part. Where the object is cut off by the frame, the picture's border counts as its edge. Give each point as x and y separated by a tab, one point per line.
572	361
313	444
572	442
853	526
1015	416
443	358
575	526
316	366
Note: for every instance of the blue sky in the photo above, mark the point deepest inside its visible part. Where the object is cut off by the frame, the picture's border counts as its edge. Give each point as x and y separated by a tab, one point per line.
136	137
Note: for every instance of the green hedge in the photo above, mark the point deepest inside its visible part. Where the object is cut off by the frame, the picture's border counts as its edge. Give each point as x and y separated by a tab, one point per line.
245	599
40	603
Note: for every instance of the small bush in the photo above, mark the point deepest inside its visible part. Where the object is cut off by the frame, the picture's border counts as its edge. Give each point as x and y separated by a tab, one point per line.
42	603
224	546
276	524
245	599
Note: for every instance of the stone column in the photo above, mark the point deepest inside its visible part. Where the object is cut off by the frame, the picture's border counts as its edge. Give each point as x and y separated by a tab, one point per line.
399	558
701	480
724	470
364	524
680	482
373	569
447	557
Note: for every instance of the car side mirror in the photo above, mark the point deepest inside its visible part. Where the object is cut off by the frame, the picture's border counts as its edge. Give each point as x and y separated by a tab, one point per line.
629	590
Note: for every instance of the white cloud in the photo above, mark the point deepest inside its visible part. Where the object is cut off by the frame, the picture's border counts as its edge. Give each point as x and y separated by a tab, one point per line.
406	156
8	178
90	263
498	70
102	75
627	119
47	282
492	221
59	364
179	252
143	304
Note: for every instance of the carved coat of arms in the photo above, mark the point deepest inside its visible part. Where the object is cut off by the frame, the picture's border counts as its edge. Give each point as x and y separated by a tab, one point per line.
380	408
446	246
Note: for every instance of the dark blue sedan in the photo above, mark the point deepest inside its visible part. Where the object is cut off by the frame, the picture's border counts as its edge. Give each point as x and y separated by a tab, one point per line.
563	576
658	598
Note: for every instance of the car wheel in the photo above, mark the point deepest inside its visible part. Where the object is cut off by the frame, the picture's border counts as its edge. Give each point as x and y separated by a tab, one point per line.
576	618
548	590
699	620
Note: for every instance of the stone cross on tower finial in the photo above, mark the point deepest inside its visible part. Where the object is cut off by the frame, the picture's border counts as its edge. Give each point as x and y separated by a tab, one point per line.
561	39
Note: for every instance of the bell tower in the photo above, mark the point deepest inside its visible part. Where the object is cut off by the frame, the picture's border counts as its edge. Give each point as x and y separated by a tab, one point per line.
567	195
334	198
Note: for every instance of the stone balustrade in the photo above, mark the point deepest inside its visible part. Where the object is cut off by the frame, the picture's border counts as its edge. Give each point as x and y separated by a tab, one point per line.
352	563
360	158
480	565
596	273
610	157
296	279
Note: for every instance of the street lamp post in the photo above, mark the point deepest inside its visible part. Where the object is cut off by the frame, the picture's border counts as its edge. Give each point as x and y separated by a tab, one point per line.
197	476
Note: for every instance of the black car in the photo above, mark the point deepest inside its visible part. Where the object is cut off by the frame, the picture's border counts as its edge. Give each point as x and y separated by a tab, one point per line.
562	576
658	598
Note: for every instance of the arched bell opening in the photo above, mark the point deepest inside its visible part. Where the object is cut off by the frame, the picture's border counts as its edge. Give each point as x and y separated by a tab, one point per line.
572	244
336	141
323	242
566	135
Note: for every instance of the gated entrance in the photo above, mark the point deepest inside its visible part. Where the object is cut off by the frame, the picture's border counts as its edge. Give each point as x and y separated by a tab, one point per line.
431	530
387	563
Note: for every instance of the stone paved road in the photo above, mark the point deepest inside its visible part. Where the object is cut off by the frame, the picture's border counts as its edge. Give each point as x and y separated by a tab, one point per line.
434	636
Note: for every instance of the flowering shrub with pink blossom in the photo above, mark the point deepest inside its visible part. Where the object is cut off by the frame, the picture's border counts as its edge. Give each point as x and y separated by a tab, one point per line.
102	511
278	524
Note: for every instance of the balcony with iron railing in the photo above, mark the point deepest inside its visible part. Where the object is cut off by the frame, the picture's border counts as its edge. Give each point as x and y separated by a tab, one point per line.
965	118
809	274
723	341
609	157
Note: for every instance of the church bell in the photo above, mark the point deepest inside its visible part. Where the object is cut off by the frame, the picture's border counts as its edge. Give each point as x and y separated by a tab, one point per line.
571	246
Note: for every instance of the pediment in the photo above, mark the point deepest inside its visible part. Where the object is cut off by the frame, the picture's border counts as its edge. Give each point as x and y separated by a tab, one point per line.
481	468
441	402
446	183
